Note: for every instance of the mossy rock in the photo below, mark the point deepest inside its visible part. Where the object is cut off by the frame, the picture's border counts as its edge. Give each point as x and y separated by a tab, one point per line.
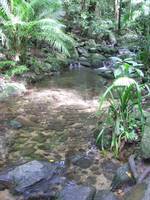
96	60
145	143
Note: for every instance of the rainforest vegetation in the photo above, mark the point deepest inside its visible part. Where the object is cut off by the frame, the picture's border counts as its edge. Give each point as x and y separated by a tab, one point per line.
74	89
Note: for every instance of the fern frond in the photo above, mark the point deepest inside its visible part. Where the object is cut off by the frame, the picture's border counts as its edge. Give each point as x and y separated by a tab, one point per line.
46	8
51	31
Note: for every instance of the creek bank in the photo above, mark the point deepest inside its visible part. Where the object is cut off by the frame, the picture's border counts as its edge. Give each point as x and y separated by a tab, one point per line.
10	89
100	57
89	54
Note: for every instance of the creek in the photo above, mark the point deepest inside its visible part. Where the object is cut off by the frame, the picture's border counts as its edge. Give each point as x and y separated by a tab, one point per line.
54	121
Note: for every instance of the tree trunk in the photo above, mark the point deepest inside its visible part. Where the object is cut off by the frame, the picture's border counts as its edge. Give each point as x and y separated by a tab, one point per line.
118	5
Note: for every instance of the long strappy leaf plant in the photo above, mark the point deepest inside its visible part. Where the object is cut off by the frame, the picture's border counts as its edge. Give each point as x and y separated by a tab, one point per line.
124	95
22	21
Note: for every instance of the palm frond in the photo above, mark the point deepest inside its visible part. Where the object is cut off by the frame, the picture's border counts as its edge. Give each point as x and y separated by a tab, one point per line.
33	19
5	11
50	30
46	8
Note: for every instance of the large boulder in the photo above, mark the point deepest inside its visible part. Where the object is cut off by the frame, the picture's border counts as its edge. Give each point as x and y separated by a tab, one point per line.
76	192
23	178
122	176
8	89
125	53
96	60
105	72
107	50
145	143
84	61
82	51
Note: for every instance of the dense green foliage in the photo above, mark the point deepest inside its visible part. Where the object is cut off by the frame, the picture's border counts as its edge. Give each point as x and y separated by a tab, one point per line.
127	67
24	23
124	95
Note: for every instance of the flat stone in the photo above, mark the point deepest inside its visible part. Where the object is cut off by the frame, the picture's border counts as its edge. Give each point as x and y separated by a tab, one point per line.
75	192
28	174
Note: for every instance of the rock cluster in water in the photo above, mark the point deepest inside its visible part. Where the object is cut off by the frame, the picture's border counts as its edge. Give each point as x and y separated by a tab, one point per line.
44	180
99	57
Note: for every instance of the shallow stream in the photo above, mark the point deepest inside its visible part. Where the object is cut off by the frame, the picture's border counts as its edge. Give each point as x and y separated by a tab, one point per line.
57	118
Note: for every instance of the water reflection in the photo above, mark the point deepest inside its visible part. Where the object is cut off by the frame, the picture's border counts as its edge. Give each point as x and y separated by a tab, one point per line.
83	80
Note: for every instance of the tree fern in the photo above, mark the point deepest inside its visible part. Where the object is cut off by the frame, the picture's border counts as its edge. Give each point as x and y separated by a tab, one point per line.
22	20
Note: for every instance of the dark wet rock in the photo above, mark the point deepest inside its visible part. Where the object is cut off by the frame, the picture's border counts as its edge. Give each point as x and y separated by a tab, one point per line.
145	143
82	51
82	161
105	72
46	189
138	192
75	192
125	53
107	69
15	124
25	176
122	176
107	50
84	61
90	44
93	50
96	60
105	195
